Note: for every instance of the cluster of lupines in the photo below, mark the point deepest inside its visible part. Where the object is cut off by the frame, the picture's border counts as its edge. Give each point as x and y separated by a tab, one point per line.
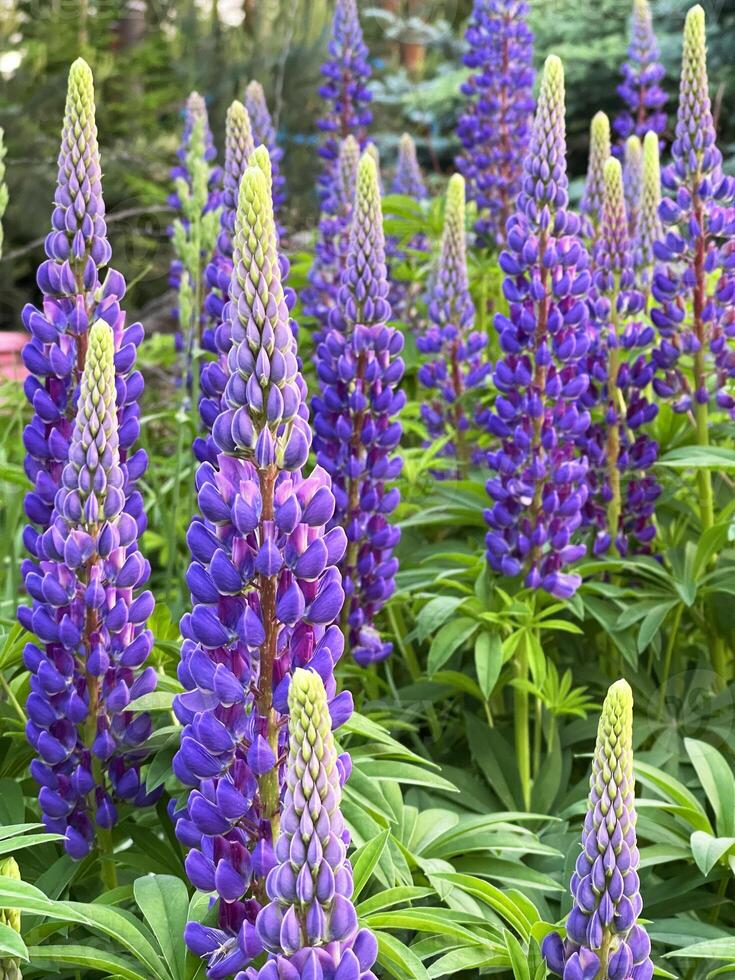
695	288
454	352
594	185
309	927
603	938
642	76
409	181
621	455
265	590
9	966
539	487
633	180
264	134
648	224
495	128
92	628
333	238
3	187
345	91
356	430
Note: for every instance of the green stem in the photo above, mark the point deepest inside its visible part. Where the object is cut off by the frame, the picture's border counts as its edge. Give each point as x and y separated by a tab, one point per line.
175	500
668	655
108	871
537	734
521	722
12	698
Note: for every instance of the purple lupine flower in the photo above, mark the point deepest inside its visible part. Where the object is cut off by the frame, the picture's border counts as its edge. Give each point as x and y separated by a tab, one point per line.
539	486
356	430
264	134
633	181
408	178
623	491
309	927
265	590
194	111
495	127
456	352
594	185
345	91
91	631
642	76
604	940
694	288
648	225
333	237
74	296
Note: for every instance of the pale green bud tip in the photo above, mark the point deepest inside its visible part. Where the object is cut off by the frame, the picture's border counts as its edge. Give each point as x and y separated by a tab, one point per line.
617	708
694	24
237	115
99	364
651	164
455	196
600	129
261	160
553	72
80	76
372	150
10	917
307	702
613	174
367	175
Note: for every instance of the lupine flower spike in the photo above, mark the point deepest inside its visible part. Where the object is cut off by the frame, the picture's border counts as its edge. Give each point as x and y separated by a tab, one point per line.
594	187
309	927
648	230
92	630
345	91
643	74
265	589
359	368
333	237
408	178
10	967
3	187
456	361
633	181
495	128
603	938
695	289
539	486
622	490
264	134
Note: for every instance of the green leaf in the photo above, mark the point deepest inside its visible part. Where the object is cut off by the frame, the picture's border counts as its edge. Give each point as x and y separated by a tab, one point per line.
488	661
393	953
435	613
403	772
438	922
449	638
392	896
466	958
496	899
86	956
364	860
652	623
11	943
518	959
699	457
708	850
717	781
713	949
164	901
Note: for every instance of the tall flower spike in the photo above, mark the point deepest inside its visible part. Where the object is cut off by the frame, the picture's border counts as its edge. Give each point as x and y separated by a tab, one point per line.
355	424
265	590
408	178
495	127
695	289
594	187
633	181
642	76
623	492
310	925
92	630
648	230
539	486
264	134
333	238
456	361
74	297
604	940
10	967
345	91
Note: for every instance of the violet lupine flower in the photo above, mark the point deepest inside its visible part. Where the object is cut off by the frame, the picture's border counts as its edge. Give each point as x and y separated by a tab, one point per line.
604	940
91	630
355	424
648	228
642	76
695	288
539	487
265	588
73	297
309	927
333	239
264	134
633	180
623	491
195	110
408	178
495	128
455	350
594	186
345	91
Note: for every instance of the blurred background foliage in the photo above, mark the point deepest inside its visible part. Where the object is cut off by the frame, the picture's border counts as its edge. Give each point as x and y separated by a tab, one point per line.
148	54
